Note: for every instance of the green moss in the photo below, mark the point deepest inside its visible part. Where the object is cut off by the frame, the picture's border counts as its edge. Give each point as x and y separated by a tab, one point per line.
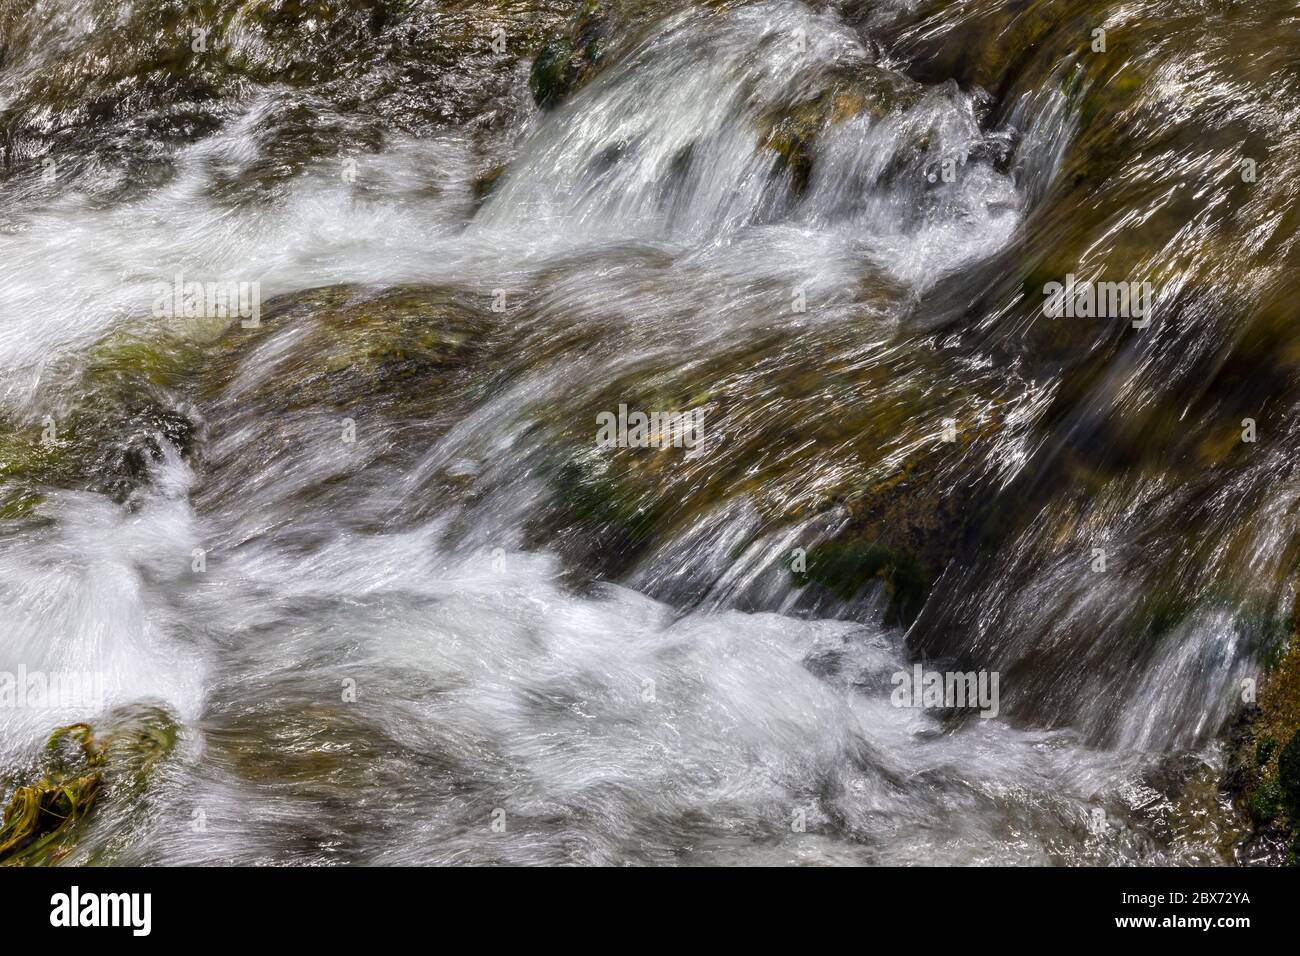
609	522
18	503
1288	777
566	63
1293	853
1263	775
26	456
549	77
846	568
1265	803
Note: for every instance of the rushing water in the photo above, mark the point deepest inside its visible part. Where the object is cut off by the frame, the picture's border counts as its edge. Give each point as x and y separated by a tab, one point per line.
667	693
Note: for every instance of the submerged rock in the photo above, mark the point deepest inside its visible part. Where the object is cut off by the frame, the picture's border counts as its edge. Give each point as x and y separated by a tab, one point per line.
344	348
394	356
859	451
106	431
337	386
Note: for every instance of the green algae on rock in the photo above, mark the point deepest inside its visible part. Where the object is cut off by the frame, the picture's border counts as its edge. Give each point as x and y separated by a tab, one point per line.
353	346
81	768
1263	773
847	567
104	434
566	63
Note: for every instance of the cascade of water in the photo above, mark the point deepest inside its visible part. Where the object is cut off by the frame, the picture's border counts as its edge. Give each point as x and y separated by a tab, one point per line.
758	213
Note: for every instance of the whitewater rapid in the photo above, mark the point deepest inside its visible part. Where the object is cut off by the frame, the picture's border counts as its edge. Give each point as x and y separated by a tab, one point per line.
366	674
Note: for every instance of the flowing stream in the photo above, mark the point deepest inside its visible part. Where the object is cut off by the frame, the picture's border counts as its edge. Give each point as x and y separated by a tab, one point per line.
402	606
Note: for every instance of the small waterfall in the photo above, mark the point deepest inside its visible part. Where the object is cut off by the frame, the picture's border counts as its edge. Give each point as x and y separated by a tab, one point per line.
700	135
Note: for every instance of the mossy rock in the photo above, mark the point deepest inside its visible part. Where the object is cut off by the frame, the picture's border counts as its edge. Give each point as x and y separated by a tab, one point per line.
392	350
792	430
848	567
1265	803
568	62
142	79
1262	775
300	41
1288	778
399	354
104	431
335	386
